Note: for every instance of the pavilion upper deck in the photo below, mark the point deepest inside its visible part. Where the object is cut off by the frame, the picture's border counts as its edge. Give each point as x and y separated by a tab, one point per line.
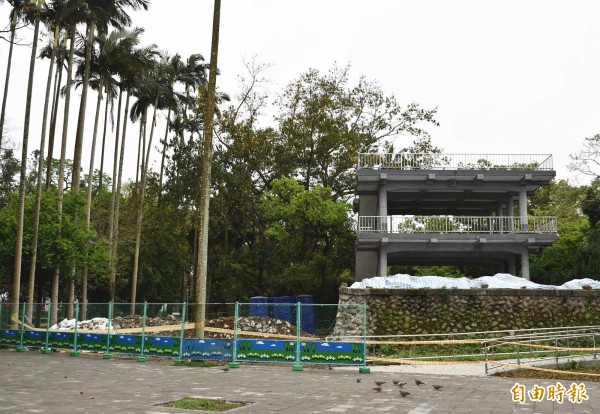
433	161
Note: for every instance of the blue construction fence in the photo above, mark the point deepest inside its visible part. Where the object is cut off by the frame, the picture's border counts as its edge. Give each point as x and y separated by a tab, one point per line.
267	331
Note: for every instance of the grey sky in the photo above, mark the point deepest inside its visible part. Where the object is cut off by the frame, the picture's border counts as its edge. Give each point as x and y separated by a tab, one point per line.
507	77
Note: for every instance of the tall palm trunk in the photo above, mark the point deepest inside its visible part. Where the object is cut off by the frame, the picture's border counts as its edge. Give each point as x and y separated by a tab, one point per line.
113	196
79	144
164	150
88	202
38	191
15	292
200	311
61	175
13	25
138	167
118	198
104	141
82	108
140	212
54	116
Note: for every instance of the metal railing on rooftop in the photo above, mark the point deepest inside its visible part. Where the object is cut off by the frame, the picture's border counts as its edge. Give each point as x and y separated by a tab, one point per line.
430	161
456	224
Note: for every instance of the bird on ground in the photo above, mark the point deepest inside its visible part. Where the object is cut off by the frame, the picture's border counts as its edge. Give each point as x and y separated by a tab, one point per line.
400	383
438	387
378	389
419	382
379	383
404	393
225	369
357	380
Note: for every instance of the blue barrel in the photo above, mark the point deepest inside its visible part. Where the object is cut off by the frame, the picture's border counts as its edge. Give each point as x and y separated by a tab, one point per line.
282	308
259	306
307	315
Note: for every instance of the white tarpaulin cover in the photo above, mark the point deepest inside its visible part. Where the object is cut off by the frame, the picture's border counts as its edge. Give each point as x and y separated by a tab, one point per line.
498	281
100	324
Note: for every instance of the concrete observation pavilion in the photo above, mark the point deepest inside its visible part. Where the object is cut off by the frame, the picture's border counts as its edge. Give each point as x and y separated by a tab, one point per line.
448	209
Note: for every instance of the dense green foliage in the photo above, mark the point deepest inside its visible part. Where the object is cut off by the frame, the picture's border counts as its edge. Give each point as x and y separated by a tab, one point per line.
280	219
563	260
281	222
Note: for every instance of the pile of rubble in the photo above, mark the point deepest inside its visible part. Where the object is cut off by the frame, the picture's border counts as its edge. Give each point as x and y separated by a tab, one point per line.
252	324
126	322
263	325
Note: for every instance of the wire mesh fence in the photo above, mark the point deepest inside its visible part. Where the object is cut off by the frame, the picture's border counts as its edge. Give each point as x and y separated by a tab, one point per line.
260	332
293	332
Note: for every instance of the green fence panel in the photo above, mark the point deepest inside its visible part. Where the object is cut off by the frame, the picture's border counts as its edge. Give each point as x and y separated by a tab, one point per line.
296	333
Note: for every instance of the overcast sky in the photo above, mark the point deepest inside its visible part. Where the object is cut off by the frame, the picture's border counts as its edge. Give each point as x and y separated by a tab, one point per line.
506	77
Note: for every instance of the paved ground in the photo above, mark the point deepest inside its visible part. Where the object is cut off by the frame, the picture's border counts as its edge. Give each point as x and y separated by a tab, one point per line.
34	383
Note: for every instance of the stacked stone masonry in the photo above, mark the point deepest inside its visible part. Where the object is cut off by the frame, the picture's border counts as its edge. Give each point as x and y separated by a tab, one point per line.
426	311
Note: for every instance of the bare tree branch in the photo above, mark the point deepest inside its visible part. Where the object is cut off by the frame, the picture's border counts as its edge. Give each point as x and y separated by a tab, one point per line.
587	161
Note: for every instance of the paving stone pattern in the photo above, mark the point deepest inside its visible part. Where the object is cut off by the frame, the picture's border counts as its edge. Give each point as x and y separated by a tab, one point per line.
34	383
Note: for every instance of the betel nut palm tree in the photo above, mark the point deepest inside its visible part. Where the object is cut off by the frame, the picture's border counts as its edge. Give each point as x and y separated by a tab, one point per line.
200	305
16	281
133	62
99	14
104	67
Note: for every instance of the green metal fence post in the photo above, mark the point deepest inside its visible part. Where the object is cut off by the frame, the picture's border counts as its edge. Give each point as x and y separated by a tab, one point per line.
142	358
45	349
236	314
21	348
107	354
364	369
179	361
75	352
298	366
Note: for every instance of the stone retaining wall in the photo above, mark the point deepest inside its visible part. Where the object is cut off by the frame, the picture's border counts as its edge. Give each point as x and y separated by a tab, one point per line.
421	311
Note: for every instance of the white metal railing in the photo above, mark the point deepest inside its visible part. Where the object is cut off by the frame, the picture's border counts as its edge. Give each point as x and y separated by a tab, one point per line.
497	344
456	224
429	161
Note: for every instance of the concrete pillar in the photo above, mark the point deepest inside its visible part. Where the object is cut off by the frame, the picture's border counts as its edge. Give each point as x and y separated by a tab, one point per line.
510	212
523	208
512	266
525	263
366	264
383	207
383	264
